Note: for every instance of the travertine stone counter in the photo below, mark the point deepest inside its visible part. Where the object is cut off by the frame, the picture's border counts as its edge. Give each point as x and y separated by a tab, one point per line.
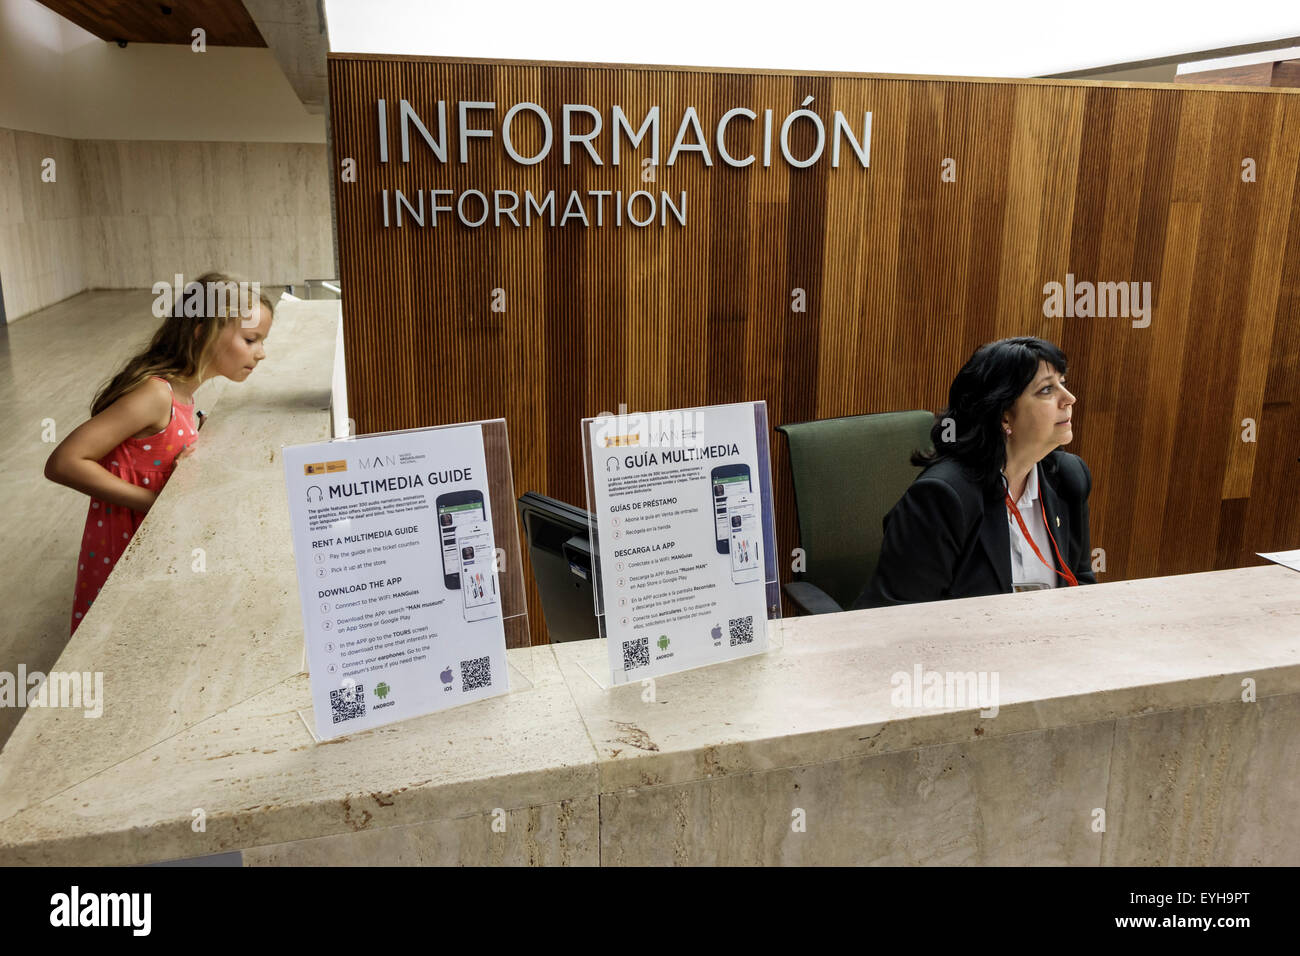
1123	698
210	562
230	611
200	717
422	791
1120	736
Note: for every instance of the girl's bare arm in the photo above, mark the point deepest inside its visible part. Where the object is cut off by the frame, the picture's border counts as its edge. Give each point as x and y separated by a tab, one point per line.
75	462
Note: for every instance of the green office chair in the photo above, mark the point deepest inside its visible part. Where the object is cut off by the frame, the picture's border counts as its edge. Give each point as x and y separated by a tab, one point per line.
848	472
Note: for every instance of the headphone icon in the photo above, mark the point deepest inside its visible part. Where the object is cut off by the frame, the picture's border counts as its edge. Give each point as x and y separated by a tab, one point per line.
320	495
611	464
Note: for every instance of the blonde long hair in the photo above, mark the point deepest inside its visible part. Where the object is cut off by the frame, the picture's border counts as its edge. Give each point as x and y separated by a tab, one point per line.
175	351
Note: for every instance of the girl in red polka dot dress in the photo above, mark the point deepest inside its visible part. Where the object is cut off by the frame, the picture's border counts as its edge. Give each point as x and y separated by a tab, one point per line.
143	421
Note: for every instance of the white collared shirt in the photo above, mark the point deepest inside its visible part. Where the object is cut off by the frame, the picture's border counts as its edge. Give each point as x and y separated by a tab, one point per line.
1025	566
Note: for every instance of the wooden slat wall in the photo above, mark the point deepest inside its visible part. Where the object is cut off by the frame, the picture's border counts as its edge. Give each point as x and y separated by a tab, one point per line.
905	276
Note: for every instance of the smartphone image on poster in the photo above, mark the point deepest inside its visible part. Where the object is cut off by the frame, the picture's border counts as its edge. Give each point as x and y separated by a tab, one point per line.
456	508
728	480
478	583
745	533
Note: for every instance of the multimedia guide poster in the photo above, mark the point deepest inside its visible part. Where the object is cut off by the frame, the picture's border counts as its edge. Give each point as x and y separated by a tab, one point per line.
683	524
397	575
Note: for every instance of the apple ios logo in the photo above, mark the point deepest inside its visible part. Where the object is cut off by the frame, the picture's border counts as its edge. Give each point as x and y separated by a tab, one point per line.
717	632
445	677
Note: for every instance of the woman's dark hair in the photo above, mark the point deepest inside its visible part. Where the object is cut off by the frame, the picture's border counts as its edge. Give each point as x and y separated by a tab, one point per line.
969	430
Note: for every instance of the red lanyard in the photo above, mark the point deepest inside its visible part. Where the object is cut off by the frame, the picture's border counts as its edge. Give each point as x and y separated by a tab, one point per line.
1011	506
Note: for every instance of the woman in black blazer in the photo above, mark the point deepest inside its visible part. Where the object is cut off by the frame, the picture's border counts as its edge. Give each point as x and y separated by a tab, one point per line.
950	535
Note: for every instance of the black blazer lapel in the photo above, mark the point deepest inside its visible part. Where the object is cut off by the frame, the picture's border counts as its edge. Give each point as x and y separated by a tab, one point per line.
996	538
1058	518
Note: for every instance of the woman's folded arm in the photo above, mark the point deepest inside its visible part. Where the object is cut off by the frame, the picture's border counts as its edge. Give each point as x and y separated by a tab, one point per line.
922	543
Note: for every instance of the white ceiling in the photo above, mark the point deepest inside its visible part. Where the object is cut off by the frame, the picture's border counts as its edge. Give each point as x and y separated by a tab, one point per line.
1016	38
1248	59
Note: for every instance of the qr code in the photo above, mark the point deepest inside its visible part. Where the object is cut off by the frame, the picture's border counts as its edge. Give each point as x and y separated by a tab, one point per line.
742	630
475	674
348	703
636	653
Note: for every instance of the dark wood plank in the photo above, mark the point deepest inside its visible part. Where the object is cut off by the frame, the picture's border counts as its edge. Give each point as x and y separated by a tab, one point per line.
225	22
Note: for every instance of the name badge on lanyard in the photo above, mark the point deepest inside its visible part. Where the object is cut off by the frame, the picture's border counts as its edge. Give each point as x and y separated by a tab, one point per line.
1014	512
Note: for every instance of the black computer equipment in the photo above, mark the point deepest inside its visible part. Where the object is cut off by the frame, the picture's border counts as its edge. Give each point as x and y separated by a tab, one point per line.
559	549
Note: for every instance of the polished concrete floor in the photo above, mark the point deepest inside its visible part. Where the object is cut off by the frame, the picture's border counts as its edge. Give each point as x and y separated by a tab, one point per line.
51	364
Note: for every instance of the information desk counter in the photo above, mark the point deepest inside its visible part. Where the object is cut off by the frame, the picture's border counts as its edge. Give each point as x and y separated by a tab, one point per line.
1144	722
